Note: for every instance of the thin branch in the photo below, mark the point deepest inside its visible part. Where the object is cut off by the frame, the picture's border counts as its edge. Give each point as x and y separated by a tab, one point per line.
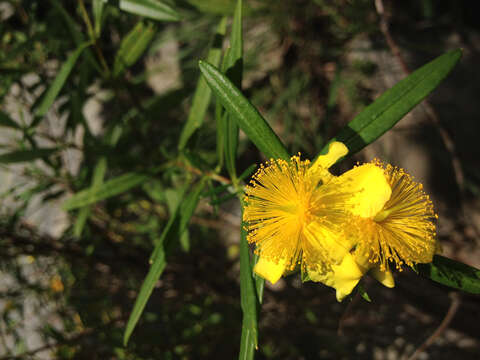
452	310
212	175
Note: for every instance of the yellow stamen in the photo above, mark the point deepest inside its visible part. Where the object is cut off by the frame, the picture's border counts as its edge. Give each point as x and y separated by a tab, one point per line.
296	214
403	231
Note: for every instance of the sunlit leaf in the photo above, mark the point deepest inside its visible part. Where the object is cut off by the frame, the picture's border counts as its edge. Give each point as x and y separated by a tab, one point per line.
395	103
247	116
106	190
57	84
452	273
152	9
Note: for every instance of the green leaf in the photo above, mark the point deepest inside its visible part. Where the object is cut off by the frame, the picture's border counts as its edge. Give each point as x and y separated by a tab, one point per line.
72	26
76	33
305	276
188	206
156	270
99	172
106	190
451	273
203	94
247	172
57	84
259	281
6	121
220	127
395	103
97	10
363	293
223	199
133	46
97	180
246	115
25	155
248	302
151	9
174	229
224	7
233	69
171	228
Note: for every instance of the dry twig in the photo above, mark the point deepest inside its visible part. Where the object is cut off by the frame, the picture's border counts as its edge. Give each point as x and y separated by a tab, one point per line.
452	310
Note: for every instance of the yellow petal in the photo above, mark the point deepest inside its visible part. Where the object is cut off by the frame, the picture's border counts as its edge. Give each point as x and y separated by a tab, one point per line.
336	150
322	240
270	270
343	277
347	276
370	187
385	277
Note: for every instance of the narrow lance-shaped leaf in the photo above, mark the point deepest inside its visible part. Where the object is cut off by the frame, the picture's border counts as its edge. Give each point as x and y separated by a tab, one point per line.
132	46
76	33
248	301
203	94
106	190
222	7
233	68
97	10
172	226
259	281
156	270
395	103
152	9
173	198
452	273
174	229
246	115
220	127
158	262
97	179
57	84
25	155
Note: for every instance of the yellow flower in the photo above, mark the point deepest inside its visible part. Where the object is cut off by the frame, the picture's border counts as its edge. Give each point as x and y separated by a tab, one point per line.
296	214
396	224
337	228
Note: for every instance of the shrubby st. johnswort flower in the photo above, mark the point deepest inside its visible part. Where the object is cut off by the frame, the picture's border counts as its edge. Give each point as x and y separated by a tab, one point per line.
337	228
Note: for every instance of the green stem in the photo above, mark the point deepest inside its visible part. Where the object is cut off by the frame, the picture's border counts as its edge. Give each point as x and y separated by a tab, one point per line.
94	39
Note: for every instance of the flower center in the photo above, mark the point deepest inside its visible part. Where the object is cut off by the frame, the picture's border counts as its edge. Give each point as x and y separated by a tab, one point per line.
303	211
